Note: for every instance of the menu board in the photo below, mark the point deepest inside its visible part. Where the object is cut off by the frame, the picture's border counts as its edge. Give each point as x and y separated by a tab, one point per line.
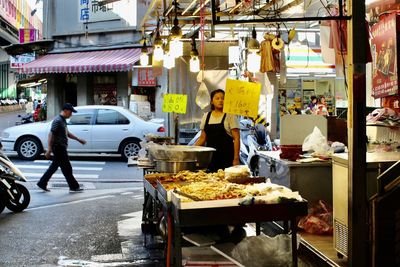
174	103
242	98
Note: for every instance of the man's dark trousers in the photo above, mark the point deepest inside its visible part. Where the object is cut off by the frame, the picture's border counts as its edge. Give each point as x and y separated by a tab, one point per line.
61	160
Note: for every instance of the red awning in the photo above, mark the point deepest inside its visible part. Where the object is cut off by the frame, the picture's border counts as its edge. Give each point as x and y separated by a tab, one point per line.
94	61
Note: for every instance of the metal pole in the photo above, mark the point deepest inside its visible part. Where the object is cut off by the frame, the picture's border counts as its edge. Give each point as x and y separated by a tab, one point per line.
358	254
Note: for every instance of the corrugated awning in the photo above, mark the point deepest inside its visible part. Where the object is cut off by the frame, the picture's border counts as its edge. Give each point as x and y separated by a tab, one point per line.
78	62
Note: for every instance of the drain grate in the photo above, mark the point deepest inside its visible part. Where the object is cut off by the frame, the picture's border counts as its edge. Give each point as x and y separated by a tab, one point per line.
58	185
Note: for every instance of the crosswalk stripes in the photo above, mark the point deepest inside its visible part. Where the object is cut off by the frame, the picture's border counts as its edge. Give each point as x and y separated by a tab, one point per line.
83	170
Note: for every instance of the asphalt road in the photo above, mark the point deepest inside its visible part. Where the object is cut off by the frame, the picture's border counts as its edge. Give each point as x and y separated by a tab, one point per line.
99	227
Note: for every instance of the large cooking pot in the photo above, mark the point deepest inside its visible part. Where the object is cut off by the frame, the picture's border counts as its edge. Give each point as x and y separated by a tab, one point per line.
179	153
175	166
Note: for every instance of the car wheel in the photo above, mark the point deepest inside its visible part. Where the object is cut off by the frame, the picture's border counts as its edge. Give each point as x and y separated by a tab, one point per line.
29	148
130	148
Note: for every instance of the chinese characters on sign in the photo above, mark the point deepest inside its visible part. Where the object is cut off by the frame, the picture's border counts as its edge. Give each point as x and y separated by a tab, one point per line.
95	10
27	35
174	103
242	98
19	60
145	77
384	53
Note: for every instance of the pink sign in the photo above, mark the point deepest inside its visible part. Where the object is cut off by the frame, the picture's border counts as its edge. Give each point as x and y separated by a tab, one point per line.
27	35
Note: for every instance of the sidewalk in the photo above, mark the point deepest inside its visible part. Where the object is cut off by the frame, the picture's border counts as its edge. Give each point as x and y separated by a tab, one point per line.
11	108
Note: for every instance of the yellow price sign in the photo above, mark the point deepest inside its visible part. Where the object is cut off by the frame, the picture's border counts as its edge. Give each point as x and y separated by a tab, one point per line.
174	103
242	98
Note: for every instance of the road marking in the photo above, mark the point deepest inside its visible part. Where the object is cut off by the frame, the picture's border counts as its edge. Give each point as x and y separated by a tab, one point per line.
60	175
127	193
68	203
137	197
45	167
76	162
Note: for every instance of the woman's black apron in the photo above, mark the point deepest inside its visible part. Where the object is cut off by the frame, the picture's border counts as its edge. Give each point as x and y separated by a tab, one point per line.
217	138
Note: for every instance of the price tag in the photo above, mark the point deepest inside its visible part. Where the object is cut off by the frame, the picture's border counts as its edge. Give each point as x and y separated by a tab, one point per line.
242	98
175	103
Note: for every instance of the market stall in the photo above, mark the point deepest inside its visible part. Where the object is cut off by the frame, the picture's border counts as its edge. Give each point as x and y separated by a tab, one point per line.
189	210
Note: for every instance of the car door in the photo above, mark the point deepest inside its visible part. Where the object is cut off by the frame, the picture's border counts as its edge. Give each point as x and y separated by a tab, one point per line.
80	125
109	129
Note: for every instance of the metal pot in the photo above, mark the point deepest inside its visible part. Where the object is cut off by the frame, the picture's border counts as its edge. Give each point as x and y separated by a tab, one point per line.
175	166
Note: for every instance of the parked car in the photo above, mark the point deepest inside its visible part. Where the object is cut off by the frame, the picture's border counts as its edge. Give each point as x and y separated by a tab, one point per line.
107	129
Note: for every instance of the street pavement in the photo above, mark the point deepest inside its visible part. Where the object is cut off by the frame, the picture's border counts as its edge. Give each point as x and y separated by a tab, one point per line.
99	227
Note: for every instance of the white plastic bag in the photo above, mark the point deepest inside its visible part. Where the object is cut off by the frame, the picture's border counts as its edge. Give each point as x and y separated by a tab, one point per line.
203	96
316	142
264	251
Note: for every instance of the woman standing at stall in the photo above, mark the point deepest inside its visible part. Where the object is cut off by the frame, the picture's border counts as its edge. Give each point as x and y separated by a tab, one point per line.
220	131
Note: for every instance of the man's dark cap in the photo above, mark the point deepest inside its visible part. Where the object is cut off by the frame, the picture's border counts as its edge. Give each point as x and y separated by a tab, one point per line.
69	106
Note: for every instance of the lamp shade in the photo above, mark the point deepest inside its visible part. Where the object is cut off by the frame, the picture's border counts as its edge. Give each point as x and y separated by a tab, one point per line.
176	48
158	53
194	64
144	59
253	62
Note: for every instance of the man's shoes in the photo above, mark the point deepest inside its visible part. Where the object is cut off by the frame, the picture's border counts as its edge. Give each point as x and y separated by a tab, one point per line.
77	190
43	188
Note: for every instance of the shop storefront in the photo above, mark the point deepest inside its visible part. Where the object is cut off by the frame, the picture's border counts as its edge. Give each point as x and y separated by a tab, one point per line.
82	78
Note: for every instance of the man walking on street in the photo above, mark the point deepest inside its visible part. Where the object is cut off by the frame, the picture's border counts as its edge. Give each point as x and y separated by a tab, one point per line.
58	143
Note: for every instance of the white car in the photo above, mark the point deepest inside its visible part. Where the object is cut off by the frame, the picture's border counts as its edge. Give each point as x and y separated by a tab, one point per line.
107	129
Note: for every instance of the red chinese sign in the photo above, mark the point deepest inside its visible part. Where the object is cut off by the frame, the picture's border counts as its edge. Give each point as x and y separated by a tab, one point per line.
145	77
384	50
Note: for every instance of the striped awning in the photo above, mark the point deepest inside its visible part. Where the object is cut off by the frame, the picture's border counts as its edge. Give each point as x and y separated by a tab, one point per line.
118	60
301	58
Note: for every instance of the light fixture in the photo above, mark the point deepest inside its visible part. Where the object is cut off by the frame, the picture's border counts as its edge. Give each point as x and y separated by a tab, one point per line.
144	57
194	62
158	52
253	62
176	31
169	60
253	44
176	48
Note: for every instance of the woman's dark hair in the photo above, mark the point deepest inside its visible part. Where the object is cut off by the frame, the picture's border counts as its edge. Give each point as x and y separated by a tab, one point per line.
313	98
213	93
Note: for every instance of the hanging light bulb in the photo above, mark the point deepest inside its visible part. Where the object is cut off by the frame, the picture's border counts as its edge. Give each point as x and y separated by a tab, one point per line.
176	34
253	62
176	48
194	62
169	61
158	52
144	57
253	59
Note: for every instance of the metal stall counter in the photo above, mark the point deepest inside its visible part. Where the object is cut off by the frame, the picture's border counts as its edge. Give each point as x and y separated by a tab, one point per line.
313	180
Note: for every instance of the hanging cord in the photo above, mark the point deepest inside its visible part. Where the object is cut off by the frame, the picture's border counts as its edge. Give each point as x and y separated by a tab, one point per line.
202	22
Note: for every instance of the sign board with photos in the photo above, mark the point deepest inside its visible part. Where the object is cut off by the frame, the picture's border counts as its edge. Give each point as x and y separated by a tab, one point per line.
175	103
384	54
242	98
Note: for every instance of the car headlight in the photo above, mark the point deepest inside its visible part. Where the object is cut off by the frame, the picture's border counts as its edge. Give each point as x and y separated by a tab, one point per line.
5	135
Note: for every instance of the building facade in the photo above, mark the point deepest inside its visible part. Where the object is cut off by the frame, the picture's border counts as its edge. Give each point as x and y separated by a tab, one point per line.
92	41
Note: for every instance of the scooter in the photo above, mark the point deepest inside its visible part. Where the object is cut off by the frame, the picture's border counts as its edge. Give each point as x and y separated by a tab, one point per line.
13	195
253	139
27	118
